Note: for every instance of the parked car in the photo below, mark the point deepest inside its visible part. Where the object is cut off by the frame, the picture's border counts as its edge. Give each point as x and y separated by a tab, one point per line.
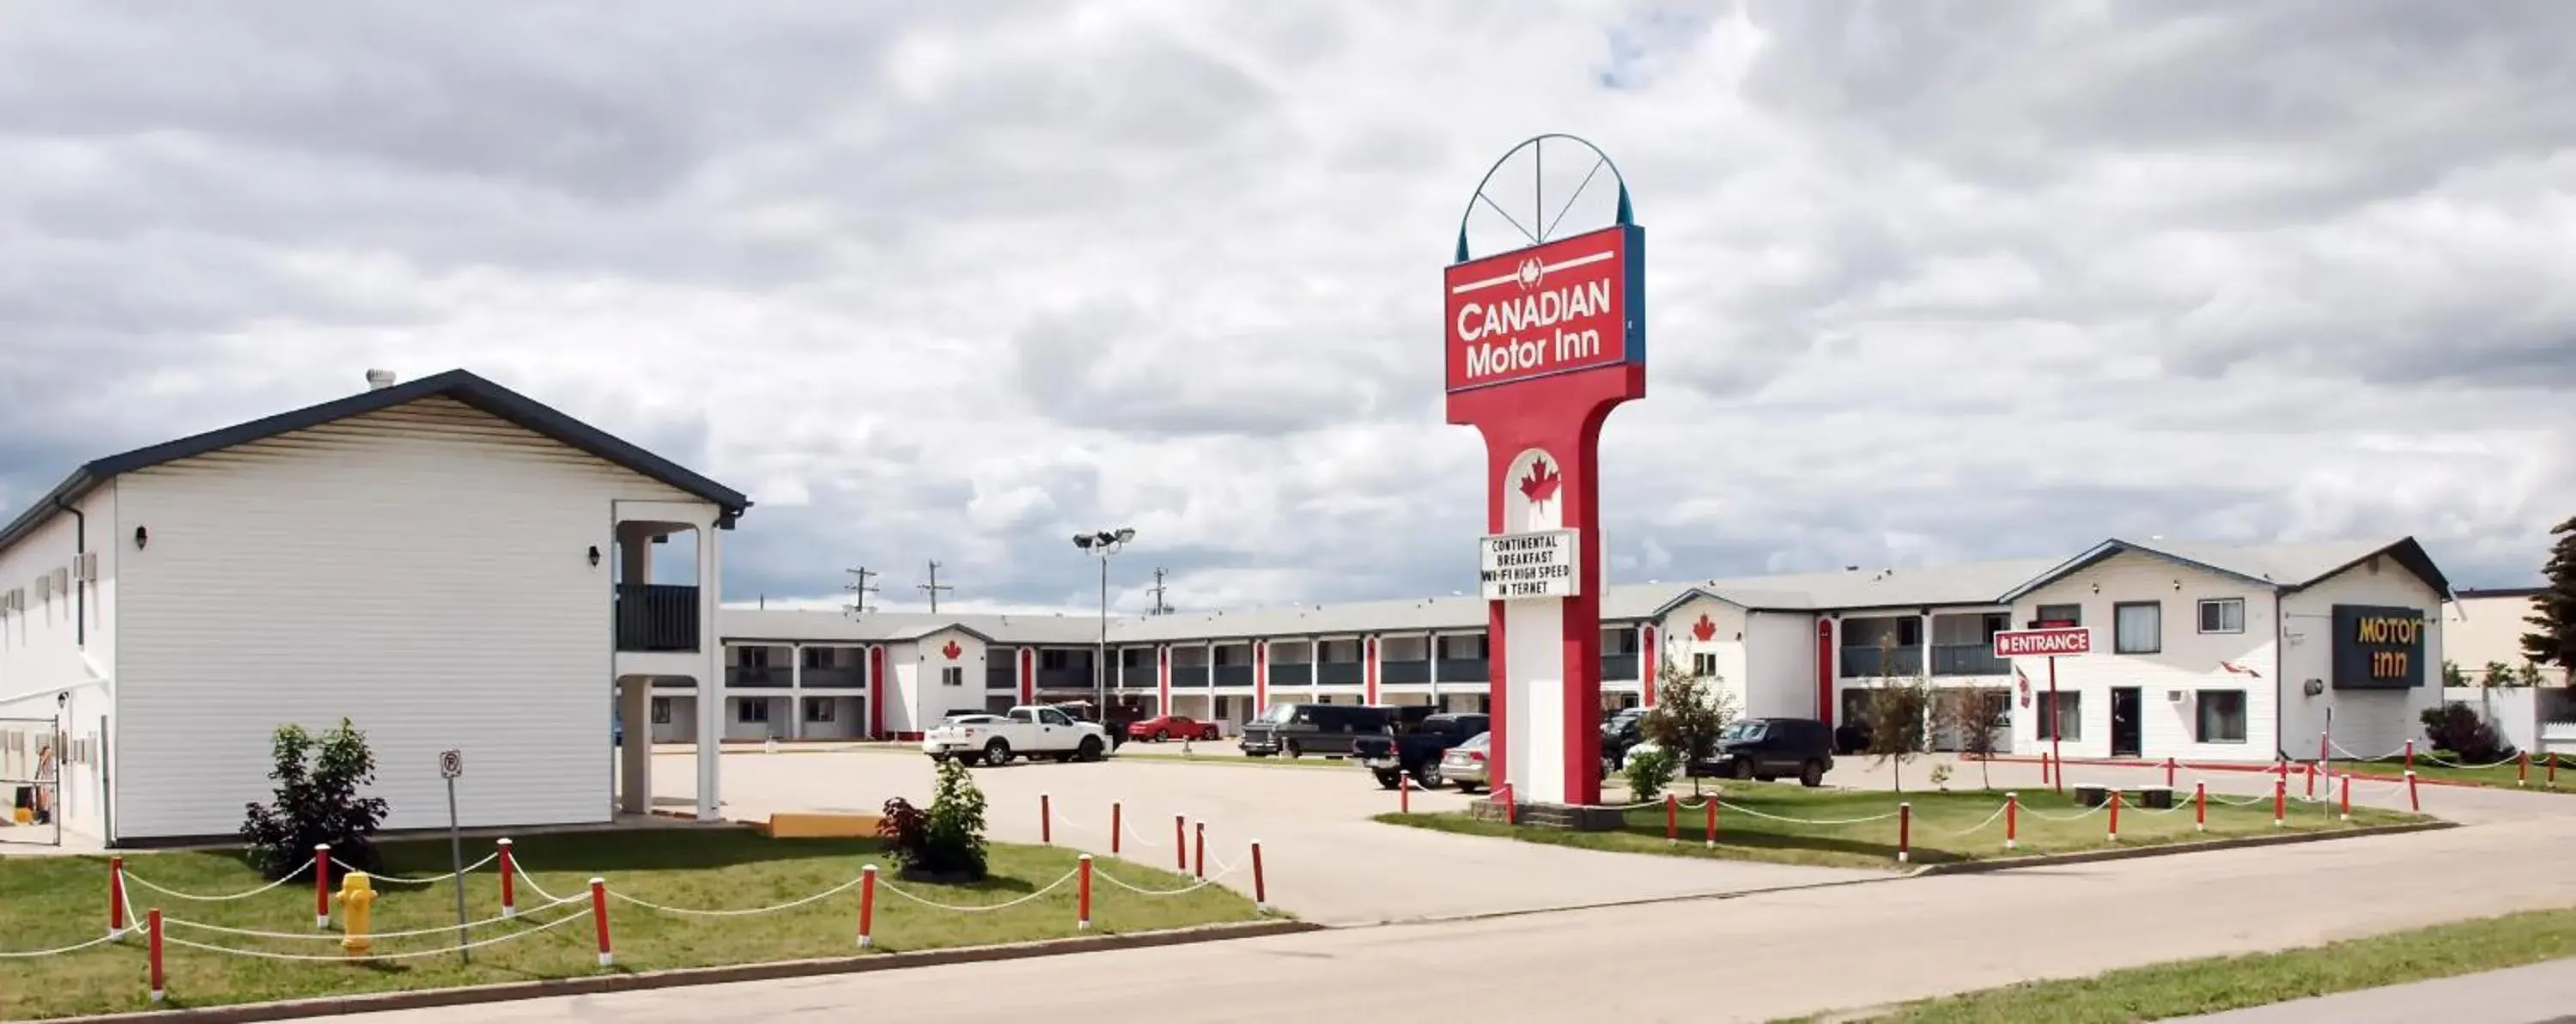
1032	731
1296	730
1418	751
1114	724
1623	731
1768	748
1166	727
1464	765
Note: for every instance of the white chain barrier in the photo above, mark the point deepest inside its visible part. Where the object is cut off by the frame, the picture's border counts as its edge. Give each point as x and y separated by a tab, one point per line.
262	954
399	880
74	948
747	912
445	929
1051	887
175	894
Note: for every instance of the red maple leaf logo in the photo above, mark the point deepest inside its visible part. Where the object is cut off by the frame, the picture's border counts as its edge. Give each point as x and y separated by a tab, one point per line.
1540	484
952	650
1703	629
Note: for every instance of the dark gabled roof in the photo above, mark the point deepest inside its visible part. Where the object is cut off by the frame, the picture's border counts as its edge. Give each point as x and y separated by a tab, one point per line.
458	385
2469	592
2281	567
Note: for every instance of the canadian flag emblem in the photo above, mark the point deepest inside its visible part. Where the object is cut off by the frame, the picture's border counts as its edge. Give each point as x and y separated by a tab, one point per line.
1541	483
952	650
1704	630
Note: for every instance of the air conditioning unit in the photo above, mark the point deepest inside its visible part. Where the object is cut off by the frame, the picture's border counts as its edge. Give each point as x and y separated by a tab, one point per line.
85	566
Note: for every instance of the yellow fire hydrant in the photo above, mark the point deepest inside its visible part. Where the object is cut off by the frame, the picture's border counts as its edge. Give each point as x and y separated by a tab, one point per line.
356	901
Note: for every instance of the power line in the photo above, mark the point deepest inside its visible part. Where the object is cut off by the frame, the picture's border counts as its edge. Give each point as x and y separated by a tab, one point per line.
859	589
1159	607
934	586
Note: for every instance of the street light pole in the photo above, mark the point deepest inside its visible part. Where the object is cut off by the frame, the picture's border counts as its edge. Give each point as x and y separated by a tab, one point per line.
1103	544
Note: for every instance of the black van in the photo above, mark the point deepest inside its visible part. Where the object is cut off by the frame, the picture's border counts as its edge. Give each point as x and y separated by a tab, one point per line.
1300	729
1768	748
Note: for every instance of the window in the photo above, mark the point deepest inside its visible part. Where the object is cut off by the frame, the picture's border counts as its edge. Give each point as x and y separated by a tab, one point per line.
1024	716
2222	715
1704	665
819	657
1052	660
661	710
2061	615
751	711
2222	615
751	657
2067	723
1051	716
952	675
2137	627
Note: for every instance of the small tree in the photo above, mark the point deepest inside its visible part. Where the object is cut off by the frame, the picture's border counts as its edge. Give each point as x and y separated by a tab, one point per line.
318	779
2497	674
1690	711
955	830
2552	640
1899	704
1978	720
1648	773
2453	675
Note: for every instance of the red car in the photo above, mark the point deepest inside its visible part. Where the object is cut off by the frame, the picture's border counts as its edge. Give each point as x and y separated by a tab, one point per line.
1165	727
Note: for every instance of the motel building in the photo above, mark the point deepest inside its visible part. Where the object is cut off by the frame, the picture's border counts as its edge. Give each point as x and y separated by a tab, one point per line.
447	563
2199	652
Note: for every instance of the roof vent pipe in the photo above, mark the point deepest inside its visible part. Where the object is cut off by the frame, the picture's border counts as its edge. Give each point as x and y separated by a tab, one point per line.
378	380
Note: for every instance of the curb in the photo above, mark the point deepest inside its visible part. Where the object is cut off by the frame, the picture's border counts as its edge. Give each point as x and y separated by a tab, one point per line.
1976	867
2268	769
679	977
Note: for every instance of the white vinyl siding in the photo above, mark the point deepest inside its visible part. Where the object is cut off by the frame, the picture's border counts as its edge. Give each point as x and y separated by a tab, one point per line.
2168	680
48	675
2366	722
420	570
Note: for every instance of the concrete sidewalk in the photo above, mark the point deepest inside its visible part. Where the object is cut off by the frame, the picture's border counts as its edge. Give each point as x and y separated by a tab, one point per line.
2542	993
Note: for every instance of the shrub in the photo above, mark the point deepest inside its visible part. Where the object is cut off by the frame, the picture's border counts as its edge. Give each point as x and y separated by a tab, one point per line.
2458	728
946	840
316	802
1648	772
906	828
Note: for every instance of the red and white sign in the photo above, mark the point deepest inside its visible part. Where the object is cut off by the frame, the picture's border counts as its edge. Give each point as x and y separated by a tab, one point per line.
2041	643
1553	308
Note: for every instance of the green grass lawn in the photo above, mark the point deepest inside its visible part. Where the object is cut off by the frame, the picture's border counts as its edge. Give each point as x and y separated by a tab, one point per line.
2217	984
2503	776
47	902
1939	819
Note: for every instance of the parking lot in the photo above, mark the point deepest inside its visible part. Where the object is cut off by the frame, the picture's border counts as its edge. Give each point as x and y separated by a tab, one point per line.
1324	859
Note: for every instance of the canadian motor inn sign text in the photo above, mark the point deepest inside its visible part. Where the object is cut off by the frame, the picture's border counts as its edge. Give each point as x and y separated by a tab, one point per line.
1548	309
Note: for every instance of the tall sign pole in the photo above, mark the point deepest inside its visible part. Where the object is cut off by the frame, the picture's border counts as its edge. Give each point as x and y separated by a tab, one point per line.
1543	340
451	763
2050	642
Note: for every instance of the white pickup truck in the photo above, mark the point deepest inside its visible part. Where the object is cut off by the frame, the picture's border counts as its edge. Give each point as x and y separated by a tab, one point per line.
1027	731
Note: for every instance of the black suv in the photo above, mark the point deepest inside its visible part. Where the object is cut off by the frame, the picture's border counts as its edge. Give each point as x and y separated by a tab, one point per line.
1624	730
1417	752
1768	748
1299	729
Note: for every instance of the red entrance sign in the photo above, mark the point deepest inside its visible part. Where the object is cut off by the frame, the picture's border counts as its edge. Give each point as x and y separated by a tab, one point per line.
2036	643
1559	307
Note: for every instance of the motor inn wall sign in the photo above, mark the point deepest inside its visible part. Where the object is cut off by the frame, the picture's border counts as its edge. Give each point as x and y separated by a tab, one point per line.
2378	647
1541	341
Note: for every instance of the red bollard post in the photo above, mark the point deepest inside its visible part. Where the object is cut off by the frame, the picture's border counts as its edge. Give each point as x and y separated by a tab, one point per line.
116	895
1712	822
2522	776
599	918
509	879
2200	807
1082	923
2346	799
2045	778
1117	828
2410	755
2280	803
1201	842
1260	884
1672	819
2169	772
867	906
2413	802
2115	815
1403	793
2309	773
160	982
1046	819
1904	832
1180	844
322	886
2012	821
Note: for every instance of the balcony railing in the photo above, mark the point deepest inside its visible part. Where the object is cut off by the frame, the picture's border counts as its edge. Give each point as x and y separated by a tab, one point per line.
1189	675
1061	679
755	675
1619	666
1292	674
1863	662
1234	675
1968	660
844	676
1404	673
1341	673
1001	677
1138	677
1462	670
657	617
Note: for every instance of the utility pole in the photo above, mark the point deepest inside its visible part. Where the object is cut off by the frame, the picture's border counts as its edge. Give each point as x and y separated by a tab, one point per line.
859	589
1159	607
934	586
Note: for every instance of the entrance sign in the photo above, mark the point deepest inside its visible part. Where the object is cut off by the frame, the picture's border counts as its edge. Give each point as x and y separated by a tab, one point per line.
1540	563
1540	343
2043	643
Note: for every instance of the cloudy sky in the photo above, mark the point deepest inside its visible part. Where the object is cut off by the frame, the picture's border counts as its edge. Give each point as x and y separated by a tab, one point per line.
1929	282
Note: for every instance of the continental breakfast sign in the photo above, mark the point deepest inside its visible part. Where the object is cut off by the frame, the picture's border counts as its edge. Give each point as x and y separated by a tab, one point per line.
1540	563
2378	647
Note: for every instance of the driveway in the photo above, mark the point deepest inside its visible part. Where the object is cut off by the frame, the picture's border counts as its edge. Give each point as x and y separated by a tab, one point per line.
1325	861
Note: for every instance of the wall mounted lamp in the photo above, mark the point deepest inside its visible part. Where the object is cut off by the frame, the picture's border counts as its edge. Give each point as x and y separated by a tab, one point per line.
141	537
594	556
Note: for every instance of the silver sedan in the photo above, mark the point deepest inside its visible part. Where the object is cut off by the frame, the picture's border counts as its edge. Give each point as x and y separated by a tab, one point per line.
1464	765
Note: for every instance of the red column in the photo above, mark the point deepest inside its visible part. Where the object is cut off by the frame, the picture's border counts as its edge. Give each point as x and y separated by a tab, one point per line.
1163	679
1260	676
1368	667
876	692
1825	672
1028	673
1648	665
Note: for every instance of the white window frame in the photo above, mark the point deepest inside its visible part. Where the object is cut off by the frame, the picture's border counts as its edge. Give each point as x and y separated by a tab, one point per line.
2120	637
743	713
952	675
2207	603
2200	717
